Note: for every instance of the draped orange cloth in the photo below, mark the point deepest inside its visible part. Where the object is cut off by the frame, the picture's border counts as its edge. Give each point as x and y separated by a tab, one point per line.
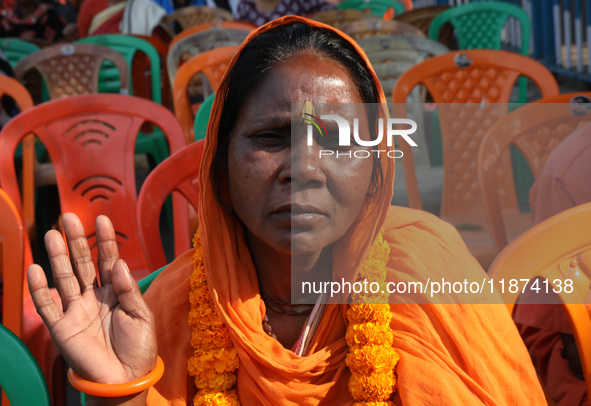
449	354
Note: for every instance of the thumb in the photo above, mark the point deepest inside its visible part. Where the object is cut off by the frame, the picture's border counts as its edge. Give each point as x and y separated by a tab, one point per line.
128	292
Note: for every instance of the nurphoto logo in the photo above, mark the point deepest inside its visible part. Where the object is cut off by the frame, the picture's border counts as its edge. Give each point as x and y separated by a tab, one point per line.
348	135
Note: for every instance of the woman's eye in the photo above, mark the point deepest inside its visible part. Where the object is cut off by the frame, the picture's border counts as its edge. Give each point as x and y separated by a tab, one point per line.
271	139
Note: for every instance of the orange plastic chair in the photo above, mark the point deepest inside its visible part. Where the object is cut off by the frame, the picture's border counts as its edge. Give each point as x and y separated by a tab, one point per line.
535	129
13	89
18	313
178	173
557	250
212	64
91	140
201	38
467	85
73	69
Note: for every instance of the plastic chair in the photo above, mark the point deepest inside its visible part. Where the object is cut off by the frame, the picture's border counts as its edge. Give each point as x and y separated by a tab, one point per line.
337	18
381	8
20	376
13	89
202	117
212	64
135	51
480	25
162	48
423	17
17	49
191	16
201	38
73	69
468	87
556	249
369	28
178	173
391	56
535	129
91	141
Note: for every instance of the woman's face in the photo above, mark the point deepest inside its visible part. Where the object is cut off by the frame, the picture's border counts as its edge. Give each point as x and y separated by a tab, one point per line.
289	198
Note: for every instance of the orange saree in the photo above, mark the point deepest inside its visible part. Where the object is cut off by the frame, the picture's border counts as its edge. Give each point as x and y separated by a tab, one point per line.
449	354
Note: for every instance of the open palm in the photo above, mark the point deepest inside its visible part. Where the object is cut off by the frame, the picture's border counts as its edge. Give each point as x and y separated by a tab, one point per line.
105	332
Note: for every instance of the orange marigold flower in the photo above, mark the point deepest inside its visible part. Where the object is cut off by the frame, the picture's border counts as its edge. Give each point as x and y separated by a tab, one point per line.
217	382
369	334
369	313
372	359
372	388
213	398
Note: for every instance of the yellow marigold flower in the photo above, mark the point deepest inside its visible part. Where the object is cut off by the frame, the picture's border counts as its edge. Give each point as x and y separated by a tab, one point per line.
369	313
386	403
372	388
216	337
371	359
213	398
369	334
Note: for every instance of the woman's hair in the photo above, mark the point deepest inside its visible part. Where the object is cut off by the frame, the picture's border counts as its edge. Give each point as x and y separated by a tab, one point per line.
255	61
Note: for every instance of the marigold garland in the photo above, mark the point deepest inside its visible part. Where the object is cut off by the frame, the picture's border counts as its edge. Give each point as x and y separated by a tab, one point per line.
371	358
215	360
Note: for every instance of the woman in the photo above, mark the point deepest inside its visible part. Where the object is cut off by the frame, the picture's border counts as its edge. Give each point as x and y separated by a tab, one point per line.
32	19
269	207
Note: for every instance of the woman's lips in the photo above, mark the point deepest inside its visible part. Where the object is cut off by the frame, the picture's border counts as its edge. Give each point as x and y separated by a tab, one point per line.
296	215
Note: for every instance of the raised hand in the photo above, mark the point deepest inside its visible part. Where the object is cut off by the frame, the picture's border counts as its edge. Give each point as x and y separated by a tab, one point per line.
106	332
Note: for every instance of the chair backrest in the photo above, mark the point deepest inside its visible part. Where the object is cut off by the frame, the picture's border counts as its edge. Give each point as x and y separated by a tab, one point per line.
177	173
191	16
134	50
467	85
423	17
480	24
20	376
535	129
212	64
12	264
73	69
369	28
380	8
203	38
11	88
392	55
162	48
91	143
16	49
339	17
557	249
202	117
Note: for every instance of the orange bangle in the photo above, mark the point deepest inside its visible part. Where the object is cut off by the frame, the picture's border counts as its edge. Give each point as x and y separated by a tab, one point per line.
118	389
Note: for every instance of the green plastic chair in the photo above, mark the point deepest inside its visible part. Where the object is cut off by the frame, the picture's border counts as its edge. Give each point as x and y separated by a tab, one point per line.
377	7
16	49
21	378
202	117
152	143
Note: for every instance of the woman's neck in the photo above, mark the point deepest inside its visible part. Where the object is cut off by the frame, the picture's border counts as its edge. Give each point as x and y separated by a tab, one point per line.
277	271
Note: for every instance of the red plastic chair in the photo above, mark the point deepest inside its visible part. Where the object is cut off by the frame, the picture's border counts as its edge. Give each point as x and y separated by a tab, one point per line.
469	87
535	129
91	141
212	64
178	173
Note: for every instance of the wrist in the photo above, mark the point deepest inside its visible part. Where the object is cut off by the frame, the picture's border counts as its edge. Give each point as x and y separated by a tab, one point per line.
118	390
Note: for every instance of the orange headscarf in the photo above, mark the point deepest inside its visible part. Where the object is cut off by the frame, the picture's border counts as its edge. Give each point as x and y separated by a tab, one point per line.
449	354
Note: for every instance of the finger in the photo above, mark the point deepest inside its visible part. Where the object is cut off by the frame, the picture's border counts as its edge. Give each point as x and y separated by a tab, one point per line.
80	255
128	292
108	253
64	279
49	311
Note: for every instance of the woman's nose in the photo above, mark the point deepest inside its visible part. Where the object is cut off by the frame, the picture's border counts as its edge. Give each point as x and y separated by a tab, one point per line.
304	166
